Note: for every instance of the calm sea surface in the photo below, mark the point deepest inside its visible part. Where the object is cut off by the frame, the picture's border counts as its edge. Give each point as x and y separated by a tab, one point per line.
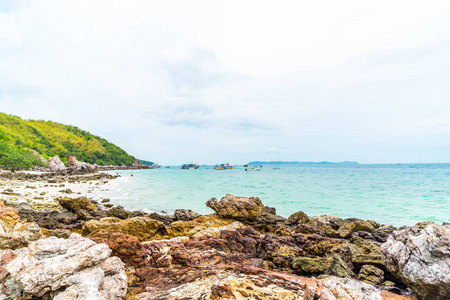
390	194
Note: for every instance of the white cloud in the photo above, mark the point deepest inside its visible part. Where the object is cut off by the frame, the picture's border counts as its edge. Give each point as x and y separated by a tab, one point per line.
206	81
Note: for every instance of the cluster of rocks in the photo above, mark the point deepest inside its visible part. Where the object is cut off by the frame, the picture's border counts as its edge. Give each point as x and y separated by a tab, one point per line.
243	251
135	166
56	165
73	165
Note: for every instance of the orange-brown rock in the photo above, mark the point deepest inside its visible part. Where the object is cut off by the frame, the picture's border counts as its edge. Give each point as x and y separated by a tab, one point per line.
126	247
143	228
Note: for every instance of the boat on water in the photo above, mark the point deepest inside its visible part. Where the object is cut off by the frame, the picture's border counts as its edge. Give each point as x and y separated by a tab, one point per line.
226	166
190	166
252	169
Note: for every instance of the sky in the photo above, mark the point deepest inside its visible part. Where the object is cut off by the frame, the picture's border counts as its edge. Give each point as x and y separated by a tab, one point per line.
234	81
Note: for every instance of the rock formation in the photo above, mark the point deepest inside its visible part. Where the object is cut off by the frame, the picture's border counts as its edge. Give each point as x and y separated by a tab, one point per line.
239	208
420	257
73	268
55	164
73	165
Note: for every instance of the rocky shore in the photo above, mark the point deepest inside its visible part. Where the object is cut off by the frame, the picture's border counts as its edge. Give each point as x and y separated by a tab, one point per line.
78	248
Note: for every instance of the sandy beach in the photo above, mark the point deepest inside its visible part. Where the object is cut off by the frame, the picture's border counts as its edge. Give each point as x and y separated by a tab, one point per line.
44	189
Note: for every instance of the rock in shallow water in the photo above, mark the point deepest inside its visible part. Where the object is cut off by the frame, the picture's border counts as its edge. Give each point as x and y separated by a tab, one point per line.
73	268
421	259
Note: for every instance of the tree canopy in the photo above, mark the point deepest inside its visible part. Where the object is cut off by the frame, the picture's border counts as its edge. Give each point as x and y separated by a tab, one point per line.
50	139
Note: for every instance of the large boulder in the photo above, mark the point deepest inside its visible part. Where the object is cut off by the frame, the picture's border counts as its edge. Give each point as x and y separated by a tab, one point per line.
74	165
240	208
69	269
55	164
420	257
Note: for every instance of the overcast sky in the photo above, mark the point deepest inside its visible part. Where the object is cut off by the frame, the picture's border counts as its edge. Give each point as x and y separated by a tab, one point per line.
235	81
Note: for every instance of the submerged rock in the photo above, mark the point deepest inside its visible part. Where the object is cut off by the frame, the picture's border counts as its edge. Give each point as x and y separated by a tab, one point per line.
240	208
73	268
420	257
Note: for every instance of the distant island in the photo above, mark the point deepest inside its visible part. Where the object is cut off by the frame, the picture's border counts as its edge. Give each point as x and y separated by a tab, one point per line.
301	163
146	162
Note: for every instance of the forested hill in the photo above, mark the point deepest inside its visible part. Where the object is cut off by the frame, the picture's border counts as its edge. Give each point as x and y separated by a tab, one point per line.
49	139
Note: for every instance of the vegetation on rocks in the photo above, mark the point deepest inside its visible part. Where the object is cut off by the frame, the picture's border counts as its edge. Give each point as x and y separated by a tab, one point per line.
50	139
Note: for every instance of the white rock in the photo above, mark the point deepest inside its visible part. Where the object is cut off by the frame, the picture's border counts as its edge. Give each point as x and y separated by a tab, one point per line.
421	259
55	164
77	266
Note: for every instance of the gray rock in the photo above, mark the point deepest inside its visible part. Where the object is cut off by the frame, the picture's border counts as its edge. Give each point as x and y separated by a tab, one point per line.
185	214
420	257
55	164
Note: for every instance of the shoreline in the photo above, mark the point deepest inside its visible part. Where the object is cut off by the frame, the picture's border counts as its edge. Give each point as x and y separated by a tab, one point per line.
318	251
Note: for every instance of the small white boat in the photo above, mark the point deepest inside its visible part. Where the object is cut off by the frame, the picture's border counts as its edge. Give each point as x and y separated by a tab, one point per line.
252	169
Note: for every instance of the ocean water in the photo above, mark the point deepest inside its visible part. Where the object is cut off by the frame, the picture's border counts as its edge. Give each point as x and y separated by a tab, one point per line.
389	194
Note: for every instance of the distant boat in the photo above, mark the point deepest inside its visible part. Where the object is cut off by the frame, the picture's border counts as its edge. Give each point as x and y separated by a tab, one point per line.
190	166
226	166
252	169
276	168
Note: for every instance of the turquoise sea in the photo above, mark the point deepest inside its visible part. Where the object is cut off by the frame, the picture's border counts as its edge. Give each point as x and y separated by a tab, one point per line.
390	194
